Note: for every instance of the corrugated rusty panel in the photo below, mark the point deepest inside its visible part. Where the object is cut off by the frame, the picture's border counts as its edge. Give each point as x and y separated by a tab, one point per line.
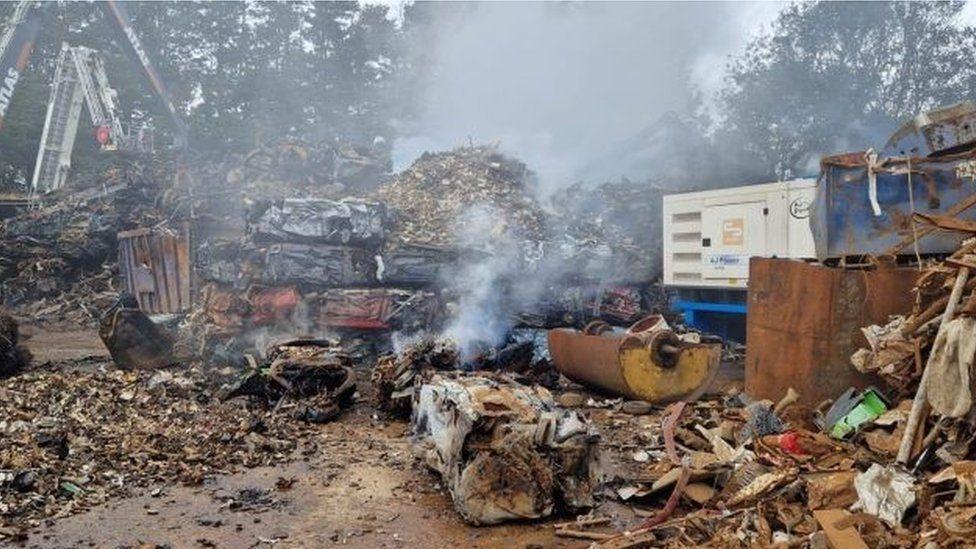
155	267
804	322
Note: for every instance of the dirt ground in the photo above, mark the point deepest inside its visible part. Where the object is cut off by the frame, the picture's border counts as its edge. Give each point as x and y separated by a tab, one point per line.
364	489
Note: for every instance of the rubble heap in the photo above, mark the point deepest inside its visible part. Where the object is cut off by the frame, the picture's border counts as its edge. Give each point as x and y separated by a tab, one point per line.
434	194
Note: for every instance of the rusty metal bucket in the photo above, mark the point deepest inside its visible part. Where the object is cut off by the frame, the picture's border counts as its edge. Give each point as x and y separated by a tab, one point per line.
647	362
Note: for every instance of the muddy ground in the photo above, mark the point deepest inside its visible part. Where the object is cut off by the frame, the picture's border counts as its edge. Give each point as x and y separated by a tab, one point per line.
364	488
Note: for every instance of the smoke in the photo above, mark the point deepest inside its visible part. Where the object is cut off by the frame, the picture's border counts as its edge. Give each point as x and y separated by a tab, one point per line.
581	92
481	315
563	85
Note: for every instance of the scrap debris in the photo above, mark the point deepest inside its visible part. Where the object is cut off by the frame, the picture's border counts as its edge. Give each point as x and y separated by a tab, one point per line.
59	261
505	450
314	376
307	255
432	195
71	438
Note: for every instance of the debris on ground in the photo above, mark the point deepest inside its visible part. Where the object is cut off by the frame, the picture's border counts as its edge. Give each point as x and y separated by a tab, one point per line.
14	357
312	378
74	437
310	294
504	450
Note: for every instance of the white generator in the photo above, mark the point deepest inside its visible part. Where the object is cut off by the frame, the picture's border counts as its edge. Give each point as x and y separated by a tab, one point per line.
709	236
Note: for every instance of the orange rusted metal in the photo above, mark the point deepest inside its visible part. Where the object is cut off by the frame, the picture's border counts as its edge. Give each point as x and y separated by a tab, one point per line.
588	359
805	321
648	362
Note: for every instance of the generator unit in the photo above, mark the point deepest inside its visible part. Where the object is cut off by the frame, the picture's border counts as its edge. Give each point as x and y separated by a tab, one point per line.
709	237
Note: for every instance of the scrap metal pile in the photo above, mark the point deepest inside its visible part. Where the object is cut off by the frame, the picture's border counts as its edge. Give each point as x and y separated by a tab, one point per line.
391	262
315	375
606	231
305	266
738	473
434	197
58	261
505	450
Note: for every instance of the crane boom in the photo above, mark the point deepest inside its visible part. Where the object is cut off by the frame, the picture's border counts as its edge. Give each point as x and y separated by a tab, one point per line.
16	46
134	48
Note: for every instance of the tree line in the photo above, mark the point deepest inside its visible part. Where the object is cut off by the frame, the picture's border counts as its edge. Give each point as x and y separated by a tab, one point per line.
827	77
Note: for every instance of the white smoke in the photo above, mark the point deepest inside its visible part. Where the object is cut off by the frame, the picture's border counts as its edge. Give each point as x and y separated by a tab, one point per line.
480	316
561	85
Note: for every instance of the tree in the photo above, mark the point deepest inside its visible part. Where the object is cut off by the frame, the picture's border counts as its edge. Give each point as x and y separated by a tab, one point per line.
242	72
839	76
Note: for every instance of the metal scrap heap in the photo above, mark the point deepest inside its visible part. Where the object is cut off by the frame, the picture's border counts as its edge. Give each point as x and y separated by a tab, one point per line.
59	260
437	192
82	437
606	231
315	374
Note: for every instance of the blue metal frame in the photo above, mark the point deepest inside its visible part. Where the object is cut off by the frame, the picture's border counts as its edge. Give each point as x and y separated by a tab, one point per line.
724	319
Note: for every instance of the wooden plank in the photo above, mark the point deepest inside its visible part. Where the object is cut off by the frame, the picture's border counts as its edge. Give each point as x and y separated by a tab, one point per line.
838	538
924	230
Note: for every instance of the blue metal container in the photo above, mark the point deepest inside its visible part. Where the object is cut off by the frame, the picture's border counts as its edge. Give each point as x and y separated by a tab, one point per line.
846	221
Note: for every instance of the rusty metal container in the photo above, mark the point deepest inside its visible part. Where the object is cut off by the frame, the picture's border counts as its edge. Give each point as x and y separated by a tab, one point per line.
647	362
805	321
843	219
155	267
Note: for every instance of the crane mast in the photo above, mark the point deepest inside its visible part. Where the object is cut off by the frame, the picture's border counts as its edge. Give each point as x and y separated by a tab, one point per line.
79	77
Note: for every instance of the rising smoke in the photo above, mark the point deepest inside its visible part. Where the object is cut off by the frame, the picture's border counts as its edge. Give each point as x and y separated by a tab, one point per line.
566	87
581	92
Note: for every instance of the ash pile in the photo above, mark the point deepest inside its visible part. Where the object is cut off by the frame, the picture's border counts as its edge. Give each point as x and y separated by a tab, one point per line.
59	259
